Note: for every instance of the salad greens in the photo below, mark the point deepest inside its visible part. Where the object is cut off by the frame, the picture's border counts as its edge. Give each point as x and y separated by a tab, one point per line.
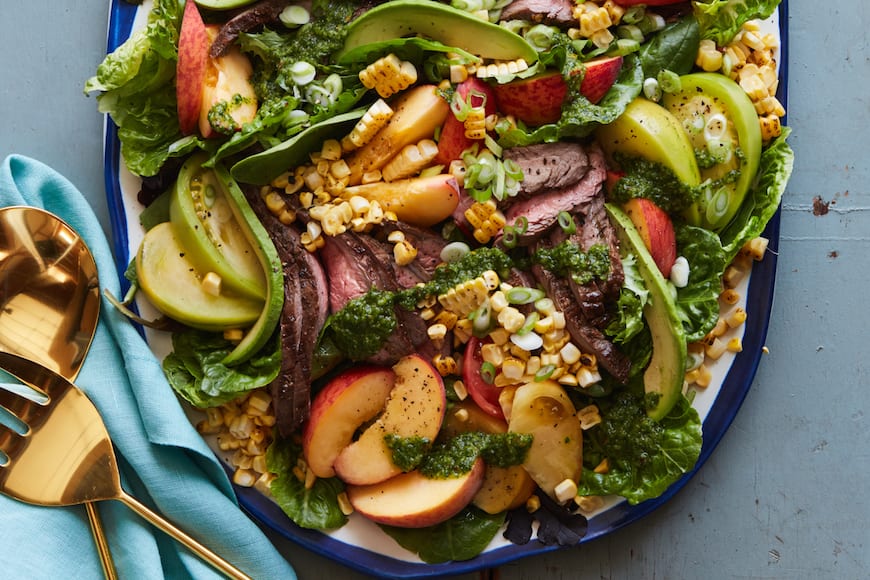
136	86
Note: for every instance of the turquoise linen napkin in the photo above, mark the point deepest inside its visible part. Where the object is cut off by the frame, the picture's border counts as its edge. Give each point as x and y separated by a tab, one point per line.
164	462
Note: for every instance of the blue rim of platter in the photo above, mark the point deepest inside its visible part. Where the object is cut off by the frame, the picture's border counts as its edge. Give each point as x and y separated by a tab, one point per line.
734	389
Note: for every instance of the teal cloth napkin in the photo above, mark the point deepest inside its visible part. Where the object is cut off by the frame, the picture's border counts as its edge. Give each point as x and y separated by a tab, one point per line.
164	462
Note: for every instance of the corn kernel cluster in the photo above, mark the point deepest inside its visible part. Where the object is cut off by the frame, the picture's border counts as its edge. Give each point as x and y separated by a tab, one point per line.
594	21
558	358
486	219
244	428
388	75
750	60
720	339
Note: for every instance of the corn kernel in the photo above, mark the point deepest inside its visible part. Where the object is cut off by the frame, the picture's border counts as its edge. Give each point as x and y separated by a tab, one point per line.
735	344
437	331
570	353
589	503
566	490
603	466
568	380
513	368
211	284
244	478
730	296
704	377
735	317
587	376
533	504
716	349
460	389
511	319
499	336
492	353
331	150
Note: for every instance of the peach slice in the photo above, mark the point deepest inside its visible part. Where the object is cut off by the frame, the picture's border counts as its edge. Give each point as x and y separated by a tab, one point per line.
349	400
415	408
411	500
656	230
193	43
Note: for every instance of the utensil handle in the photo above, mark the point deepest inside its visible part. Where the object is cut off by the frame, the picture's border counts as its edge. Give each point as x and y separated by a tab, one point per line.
102	543
200	550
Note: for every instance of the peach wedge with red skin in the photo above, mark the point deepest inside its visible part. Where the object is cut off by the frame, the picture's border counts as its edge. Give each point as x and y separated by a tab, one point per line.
349	400
193	44
656	230
412	500
538	100
415	408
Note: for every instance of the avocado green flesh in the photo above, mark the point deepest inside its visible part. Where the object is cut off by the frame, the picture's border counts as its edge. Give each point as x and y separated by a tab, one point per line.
649	131
702	95
172	283
665	374
439	22
206	225
270	262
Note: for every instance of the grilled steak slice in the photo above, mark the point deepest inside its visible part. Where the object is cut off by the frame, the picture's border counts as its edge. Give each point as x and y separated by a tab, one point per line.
588	338
542	210
353	270
549	165
554	12
428	244
597	229
306	306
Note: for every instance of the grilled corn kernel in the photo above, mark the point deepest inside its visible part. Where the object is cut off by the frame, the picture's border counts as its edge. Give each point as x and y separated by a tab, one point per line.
513	368
371	122
566	490
730	296
511	319
735	344
211	284
388	75
460	390
244	478
735	317
589	503
445	365
437	331
716	348
570	353
591	21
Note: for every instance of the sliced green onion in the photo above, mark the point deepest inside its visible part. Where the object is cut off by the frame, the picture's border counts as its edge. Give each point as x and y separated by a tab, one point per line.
498	188
523	295
459	107
492	145
669	81
509	237
624	46
488	372
629	32
512	169
634	14
652	90
715	126
481	319
453	251
544	373
567	223
521	224
480	195
302	73
720	150
529	324
294	16
544	305
333	84
717	205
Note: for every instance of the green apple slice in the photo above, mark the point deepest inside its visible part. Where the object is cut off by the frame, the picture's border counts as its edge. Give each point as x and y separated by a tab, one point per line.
722	125
663	378
647	130
207	226
174	286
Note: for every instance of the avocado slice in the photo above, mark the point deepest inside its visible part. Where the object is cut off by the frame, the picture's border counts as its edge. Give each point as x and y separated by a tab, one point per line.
223	4
713	99
258	335
440	22
664	377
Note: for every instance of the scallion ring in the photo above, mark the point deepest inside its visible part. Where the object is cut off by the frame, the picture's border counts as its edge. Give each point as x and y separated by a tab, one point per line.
523	295
544	373
454	251
566	222
509	237
488	372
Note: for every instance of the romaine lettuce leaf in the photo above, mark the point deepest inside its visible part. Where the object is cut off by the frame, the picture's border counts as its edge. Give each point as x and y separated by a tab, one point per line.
137	88
698	302
195	371
645	456
720	20
762	201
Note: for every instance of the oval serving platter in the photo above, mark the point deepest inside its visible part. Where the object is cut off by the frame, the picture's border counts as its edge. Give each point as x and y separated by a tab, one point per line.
360	544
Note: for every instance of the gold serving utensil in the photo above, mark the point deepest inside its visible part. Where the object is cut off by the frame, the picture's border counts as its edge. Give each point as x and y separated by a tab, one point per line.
49	306
60	452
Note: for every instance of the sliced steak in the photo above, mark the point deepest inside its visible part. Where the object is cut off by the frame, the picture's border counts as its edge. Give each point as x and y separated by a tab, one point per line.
306	306
549	165
554	12
353	269
542	210
597	229
589	338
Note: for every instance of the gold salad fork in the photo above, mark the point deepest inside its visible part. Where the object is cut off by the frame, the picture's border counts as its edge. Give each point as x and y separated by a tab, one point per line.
55	451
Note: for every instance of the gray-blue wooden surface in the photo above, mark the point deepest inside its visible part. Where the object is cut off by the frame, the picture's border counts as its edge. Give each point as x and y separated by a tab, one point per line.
785	493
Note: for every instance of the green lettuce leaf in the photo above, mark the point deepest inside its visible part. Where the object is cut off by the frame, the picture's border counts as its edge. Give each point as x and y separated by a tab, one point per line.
698	302
720	20
762	201
645	456
315	507
633	296
137	88
673	49
196	373
462	537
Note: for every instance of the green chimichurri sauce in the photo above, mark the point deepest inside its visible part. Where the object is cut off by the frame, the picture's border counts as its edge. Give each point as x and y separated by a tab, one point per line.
567	259
220	116
361	327
653	181
456	456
